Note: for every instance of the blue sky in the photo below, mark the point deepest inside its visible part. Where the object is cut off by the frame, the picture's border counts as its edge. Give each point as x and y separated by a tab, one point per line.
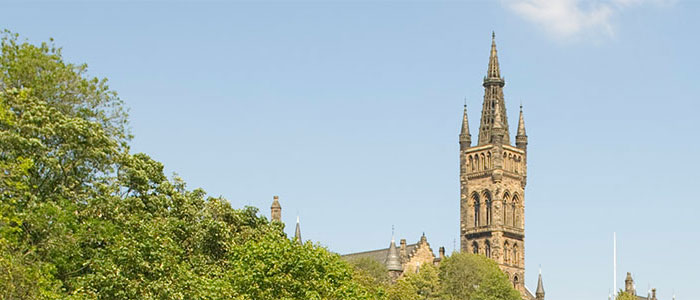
350	111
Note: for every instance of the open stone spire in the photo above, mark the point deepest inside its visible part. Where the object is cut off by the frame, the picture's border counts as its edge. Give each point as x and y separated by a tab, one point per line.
493	96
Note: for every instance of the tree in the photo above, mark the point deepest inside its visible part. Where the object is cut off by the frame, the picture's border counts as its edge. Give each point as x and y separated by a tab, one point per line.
622	295
473	276
425	282
371	268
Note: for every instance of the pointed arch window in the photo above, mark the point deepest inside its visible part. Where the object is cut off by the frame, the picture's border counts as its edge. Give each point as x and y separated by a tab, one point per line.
516	259
475	248
477	210
489	208
505	208
506	253
514	206
488	249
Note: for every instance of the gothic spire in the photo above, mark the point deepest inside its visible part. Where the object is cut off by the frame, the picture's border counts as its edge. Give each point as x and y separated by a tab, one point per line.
539	293
494	70
465	138
521	138
297	233
493	98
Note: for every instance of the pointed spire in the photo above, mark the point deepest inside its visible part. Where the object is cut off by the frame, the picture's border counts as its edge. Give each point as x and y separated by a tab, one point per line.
393	262
465	138
493	98
521	137
521	123
297	233
539	293
494	70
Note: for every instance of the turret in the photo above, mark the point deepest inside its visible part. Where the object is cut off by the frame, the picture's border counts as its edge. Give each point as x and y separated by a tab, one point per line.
297	233
465	138
393	262
521	138
539	293
276	210
629	284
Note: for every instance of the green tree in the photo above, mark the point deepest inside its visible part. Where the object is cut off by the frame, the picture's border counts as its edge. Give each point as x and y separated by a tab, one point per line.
471	276
622	295
372	268
426	282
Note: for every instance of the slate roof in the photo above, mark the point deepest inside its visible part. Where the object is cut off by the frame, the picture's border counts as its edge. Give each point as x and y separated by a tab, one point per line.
378	255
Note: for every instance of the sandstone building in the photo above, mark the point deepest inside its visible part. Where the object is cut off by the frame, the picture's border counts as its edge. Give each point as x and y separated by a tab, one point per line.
493	174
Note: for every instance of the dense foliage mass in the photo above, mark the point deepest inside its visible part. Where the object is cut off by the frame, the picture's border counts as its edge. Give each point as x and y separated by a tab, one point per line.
622	295
83	218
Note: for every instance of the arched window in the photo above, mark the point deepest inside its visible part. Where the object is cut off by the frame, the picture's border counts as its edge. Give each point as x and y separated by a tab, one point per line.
516	209
475	248
488	249
506	252
516	258
471	163
483	162
488	161
476	162
505	208
489	208
516	281
477	209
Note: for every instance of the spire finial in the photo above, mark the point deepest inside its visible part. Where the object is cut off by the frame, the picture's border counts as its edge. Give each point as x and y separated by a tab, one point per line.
493	34
392	233
465	138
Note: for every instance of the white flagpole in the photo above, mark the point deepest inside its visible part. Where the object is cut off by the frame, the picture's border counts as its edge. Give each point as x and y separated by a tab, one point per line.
615	264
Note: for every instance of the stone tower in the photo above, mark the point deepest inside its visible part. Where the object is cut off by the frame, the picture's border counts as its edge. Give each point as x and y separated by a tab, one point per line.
492	181
276	209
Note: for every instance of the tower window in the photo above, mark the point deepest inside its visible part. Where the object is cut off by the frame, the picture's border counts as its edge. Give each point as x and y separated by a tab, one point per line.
475	248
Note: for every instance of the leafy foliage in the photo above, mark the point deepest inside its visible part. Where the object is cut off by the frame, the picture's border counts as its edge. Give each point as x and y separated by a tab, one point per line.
472	276
622	295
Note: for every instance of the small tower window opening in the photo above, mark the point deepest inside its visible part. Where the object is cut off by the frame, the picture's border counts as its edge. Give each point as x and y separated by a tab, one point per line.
488	249
505	208
489	207
506	253
475	248
516	259
477	210
489	211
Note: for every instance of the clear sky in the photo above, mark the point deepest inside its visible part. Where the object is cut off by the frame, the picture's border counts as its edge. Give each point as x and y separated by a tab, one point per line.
350	112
